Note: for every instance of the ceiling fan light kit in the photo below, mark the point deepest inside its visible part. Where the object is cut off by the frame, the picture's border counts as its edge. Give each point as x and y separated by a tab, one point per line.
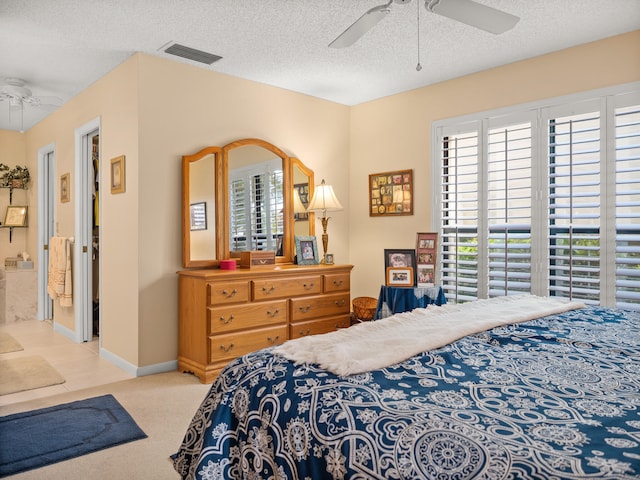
15	91
468	12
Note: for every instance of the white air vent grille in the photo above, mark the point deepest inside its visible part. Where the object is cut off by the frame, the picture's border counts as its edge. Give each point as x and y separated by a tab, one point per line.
191	54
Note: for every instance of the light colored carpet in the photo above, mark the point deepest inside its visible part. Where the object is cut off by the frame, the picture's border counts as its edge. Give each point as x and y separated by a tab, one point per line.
8	343
162	405
26	373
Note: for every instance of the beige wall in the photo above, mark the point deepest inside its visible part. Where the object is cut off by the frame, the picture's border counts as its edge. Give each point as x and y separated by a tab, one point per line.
182	110
394	133
13	151
154	111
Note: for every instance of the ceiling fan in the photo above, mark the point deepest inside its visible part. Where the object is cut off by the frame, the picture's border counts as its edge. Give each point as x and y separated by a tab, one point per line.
14	90
465	11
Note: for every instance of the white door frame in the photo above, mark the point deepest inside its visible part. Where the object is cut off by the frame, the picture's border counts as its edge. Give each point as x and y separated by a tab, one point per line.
83	247
46	225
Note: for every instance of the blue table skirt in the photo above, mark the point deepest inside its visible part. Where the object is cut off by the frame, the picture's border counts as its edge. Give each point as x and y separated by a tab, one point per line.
402	299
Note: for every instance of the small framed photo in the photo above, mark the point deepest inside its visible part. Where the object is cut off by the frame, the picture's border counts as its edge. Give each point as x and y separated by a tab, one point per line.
399	258
117	175
399	277
427	253
307	250
16	216
391	193
426	275
198	213
64	188
328	259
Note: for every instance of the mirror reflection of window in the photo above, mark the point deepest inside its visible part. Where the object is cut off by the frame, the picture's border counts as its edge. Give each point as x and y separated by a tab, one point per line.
256	206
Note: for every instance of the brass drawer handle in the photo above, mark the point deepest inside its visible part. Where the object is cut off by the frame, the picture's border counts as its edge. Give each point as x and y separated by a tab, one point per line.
273	340
275	313
305	309
338	283
308	286
227	320
230	295
226	349
303	333
268	291
340	303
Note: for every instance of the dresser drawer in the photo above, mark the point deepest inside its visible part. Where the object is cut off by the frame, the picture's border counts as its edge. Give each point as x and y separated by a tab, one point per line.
221	293
233	345
246	315
319	306
315	327
336	282
286	287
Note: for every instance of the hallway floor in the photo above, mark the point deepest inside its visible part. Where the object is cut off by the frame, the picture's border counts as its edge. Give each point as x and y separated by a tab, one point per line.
79	363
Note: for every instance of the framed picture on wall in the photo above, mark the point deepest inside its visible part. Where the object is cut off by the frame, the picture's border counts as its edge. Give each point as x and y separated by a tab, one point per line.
15	216
64	188
391	193
198	212
117	175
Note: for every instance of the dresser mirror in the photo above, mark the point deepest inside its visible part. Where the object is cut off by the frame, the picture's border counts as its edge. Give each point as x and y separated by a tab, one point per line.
201	244
247	195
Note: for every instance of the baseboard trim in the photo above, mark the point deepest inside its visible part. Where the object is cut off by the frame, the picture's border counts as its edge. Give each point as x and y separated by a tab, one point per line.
134	370
70	334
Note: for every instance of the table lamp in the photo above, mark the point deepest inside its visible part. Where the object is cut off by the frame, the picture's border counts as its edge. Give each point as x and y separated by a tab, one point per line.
324	200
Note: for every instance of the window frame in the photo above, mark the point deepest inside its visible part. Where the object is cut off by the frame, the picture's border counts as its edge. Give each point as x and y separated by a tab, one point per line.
605	101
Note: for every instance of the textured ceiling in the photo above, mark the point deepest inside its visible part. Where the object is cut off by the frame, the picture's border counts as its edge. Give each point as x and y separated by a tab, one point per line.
60	47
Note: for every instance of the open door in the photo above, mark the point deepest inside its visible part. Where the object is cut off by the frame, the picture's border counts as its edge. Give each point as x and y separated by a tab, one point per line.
46	225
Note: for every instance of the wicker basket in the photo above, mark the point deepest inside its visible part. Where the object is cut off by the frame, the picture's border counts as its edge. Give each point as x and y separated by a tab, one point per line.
364	308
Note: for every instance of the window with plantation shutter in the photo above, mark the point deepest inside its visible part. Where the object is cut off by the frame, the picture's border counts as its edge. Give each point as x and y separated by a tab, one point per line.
256	202
627	189
459	232
544	199
509	209
574	207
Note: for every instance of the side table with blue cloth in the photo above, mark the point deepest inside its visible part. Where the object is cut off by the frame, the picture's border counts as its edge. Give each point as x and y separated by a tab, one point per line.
402	299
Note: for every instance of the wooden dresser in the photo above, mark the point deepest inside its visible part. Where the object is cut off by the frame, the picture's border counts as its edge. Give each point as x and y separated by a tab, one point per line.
224	314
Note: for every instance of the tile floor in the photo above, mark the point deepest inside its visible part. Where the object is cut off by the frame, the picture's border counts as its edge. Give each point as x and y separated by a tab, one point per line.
79	363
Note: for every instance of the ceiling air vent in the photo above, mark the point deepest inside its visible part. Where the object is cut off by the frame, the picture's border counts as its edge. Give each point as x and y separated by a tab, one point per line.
191	54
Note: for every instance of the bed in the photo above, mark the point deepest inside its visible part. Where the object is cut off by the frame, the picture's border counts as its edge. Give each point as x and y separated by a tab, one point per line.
544	395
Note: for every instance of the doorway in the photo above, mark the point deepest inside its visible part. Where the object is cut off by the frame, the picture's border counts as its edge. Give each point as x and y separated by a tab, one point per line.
87	228
46	225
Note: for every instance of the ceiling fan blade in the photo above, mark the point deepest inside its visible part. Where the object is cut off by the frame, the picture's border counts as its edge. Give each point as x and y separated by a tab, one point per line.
361	26
475	14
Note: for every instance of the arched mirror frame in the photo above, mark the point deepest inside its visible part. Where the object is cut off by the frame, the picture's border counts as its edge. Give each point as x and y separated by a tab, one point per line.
307	172
288	164
293	169
187	162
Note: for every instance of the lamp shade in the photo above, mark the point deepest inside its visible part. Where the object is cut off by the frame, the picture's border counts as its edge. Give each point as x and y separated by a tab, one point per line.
324	200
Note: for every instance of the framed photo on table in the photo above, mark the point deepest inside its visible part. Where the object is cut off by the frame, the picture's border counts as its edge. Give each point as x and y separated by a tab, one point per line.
399	277
426	254
307	250
405	261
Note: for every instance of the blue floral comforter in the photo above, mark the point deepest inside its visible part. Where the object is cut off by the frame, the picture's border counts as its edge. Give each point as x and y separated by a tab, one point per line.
553	398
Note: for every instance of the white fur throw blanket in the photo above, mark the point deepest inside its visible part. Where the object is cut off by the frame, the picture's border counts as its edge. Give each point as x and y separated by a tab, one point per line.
378	344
